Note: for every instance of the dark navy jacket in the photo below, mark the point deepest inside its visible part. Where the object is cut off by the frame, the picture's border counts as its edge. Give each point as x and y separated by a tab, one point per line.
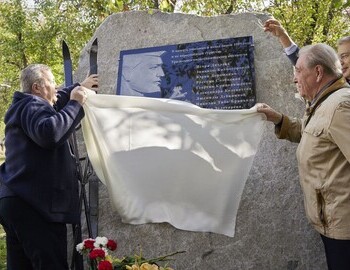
39	166
294	56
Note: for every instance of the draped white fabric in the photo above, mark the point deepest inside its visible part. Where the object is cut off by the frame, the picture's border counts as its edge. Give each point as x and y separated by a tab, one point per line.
170	161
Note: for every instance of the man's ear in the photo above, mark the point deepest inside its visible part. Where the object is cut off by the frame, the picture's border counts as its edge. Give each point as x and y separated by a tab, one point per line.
319	73
35	88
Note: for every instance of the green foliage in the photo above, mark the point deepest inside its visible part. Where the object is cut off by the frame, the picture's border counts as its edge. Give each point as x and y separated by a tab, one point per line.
2	249
217	7
310	21
12	57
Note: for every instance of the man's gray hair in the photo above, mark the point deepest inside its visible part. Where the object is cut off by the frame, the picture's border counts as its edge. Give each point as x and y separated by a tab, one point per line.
343	40
323	55
32	74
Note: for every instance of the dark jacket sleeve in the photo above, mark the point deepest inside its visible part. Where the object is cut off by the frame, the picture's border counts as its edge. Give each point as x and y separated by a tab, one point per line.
294	56
47	127
63	96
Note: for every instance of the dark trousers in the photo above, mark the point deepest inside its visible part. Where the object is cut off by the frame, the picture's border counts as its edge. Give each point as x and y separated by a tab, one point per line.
31	241
337	253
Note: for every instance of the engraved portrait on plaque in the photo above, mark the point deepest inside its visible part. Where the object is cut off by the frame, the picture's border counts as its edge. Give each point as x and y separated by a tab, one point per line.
216	74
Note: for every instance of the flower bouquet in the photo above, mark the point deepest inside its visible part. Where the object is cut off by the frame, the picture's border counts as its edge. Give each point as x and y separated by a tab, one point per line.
99	258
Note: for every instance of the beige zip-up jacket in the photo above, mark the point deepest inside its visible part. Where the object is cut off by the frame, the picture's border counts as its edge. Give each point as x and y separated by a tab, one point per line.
323	158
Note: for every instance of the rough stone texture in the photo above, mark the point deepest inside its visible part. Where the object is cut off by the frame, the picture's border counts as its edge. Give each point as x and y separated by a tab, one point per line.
271	231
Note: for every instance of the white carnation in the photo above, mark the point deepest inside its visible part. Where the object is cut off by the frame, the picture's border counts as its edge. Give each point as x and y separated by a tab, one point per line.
100	241
80	247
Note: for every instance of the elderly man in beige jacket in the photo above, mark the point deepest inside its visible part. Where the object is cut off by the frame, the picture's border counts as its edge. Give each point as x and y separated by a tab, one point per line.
323	153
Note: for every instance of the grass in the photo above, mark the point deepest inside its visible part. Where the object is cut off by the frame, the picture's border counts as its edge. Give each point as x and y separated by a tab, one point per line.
2	238
2	249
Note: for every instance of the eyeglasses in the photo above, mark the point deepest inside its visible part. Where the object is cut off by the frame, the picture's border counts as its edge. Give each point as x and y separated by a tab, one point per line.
344	56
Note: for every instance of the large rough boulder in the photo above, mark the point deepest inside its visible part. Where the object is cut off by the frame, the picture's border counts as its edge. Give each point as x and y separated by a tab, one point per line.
271	230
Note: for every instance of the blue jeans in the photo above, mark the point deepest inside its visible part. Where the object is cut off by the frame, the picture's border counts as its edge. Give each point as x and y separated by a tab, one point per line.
31	241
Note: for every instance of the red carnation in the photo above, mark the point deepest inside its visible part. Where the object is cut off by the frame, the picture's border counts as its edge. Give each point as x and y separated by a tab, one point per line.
111	245
97	253
89	243
105	265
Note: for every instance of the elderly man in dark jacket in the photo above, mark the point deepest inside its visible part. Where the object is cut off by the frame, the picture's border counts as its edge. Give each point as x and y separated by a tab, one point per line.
38	180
